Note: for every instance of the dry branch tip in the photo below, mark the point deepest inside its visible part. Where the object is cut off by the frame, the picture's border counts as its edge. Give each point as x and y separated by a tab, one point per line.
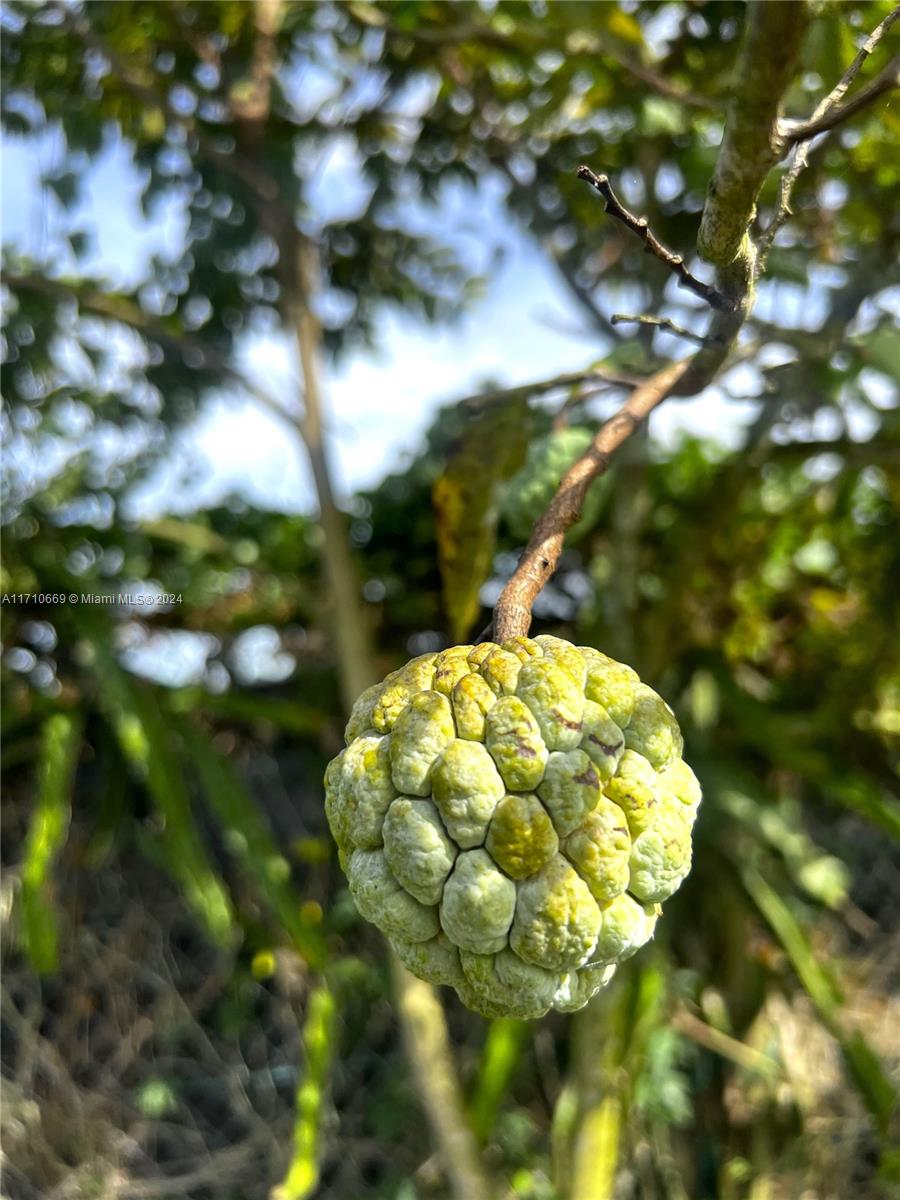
652	245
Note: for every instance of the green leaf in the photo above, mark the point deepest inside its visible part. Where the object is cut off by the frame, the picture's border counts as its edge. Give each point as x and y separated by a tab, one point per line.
302	1176
79	240
881	349
46	836
466	504
865	798
870	1078
149	747
816	979
500	1055
863	1063
661	116
246	832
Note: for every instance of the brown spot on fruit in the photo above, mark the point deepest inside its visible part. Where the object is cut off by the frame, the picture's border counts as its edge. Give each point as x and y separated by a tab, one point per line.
588	779
566	721
605	746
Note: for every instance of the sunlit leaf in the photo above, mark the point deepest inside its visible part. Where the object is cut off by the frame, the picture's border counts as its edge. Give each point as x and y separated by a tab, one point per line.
302	1176
147	745
47	834
499	1058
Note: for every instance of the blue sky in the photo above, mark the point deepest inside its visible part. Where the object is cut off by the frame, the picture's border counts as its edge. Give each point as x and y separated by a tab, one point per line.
379	402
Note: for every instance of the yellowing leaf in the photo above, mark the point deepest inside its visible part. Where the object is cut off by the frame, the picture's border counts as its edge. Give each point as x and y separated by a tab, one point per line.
623	25
46	836
466	504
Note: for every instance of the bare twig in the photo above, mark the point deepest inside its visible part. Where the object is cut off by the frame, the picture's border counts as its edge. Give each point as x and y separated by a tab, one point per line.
832	102
575	399
652	244
566	263
540	387
660	323
828	107
512	614
583	292
730	207
653	79
885	81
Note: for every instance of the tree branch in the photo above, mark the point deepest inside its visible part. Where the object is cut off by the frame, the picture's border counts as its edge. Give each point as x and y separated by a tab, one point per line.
431	1055
828	109
351	633
652	244
418	1006
832	102
480	400
766	63
885	81
750	145
512	614
584	295
659	323
529	44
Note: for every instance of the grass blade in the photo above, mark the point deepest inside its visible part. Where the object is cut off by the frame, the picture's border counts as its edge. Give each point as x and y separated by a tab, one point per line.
47	832
238	814
148	746
302	1176
503	1047
862	1062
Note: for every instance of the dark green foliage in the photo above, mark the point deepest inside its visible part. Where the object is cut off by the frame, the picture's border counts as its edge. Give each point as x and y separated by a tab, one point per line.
532	488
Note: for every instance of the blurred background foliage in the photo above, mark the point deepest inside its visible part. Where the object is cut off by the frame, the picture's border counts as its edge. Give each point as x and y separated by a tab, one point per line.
191	1006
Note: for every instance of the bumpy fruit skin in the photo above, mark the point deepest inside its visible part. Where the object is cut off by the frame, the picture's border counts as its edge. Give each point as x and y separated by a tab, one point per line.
512	818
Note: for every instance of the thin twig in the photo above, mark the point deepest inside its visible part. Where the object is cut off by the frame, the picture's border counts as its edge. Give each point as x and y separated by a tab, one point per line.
826	108
652	244
661	323
566	262
837	93
722	1044
576	399
885	81
540	387
512	614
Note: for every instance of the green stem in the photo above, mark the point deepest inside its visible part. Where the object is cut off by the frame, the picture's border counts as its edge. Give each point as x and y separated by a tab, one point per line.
749	150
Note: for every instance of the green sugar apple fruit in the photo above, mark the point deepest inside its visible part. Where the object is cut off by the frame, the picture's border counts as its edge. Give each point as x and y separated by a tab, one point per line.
532	488
512	819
